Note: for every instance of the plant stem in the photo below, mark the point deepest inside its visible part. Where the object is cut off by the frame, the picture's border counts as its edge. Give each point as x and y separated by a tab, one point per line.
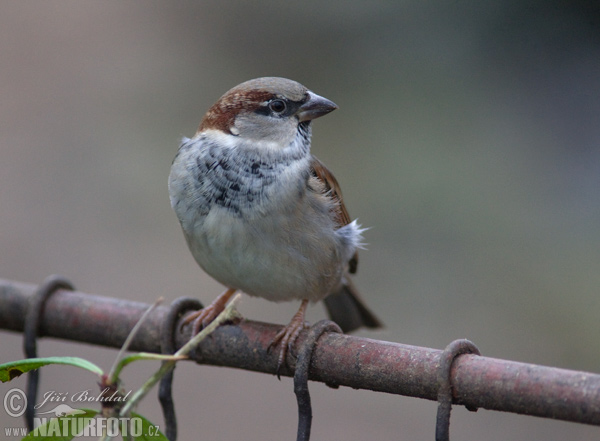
227	314
113	373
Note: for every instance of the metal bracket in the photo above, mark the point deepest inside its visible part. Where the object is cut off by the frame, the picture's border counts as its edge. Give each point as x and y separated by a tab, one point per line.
301	375
447	358
167	346
33	320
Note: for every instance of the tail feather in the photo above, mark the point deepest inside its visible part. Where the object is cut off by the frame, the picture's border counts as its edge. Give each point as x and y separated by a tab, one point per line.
346	308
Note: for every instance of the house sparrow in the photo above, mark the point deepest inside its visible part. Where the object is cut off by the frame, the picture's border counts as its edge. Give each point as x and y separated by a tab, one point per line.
262	215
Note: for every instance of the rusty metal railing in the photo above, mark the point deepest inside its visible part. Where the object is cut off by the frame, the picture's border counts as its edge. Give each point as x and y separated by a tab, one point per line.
337	359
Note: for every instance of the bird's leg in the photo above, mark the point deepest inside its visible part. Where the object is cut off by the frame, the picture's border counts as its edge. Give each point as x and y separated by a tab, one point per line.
288	335
206	315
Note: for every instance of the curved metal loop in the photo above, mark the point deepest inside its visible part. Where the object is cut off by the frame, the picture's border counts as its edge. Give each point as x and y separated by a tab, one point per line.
33	321
301	375
447	358
167	346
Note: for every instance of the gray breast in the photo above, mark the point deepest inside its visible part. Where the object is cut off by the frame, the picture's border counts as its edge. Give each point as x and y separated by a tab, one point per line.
226	178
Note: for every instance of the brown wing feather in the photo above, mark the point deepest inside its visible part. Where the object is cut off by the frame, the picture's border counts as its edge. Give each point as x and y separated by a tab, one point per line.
333	190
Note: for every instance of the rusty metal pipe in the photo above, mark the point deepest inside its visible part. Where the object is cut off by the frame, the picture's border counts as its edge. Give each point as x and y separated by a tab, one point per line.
338	360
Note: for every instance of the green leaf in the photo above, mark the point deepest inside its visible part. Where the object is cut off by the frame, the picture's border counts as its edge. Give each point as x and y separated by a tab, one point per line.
64	428
148	432
13	369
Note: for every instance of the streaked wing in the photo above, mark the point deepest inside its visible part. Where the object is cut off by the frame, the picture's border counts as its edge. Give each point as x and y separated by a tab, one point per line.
332	189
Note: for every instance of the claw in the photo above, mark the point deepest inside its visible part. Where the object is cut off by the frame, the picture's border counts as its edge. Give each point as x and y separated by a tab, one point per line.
206	315
287	336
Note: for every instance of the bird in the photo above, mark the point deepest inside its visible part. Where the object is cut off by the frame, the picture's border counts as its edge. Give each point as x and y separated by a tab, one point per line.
261	214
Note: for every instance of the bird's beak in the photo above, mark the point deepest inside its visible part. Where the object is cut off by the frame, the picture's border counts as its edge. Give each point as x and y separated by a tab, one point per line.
315	107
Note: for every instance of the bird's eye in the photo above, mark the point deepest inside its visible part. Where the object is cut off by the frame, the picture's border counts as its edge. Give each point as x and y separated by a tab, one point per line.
277	106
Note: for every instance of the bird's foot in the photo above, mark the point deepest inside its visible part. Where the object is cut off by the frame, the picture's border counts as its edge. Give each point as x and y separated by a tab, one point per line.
203	317
287	336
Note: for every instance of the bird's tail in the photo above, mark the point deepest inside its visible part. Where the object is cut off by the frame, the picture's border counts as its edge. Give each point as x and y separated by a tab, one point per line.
347	309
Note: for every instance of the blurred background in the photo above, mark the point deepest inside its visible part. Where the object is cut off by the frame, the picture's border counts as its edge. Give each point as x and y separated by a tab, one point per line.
467	138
